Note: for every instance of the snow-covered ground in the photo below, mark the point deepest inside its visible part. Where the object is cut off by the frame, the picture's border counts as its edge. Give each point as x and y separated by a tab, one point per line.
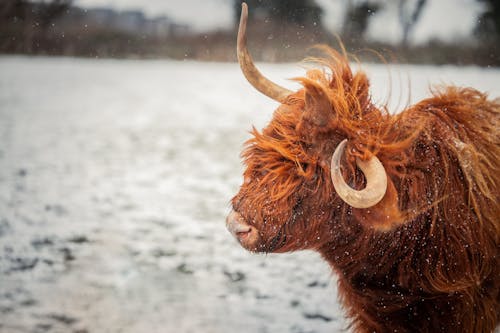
115	179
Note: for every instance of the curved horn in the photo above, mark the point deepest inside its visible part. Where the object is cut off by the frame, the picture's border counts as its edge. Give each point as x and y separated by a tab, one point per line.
376	180
252	74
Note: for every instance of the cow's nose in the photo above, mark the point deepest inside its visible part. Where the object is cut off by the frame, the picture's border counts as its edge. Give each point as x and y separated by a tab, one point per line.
237	226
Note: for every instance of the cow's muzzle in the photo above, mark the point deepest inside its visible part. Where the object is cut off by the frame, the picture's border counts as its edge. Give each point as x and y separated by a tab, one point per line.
247	235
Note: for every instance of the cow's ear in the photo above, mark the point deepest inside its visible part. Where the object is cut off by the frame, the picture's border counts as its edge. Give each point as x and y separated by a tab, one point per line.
385	215
317	108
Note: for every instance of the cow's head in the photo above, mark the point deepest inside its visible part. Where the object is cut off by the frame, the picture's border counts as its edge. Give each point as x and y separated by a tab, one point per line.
294	194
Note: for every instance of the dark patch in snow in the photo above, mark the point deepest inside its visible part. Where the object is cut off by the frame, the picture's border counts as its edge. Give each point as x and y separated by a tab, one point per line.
260	295
67	254
48	262
62	318
316	283
158	253
6	309
42	328
28	302
4	227
39	243
319	316
79	239
22	264
57	209
183	268
22	172
235	276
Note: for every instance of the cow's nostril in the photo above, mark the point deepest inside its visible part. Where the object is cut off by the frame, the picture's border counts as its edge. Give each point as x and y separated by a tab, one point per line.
244	233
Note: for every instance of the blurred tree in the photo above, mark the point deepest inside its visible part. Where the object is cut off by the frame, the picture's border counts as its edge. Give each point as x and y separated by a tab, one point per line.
356	19
300	12
16	25
43	11
48	11
10	9
409	13
22	22
488	26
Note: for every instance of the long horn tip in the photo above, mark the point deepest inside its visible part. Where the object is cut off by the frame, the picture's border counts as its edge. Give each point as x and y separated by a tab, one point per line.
244	13
241	43
248	68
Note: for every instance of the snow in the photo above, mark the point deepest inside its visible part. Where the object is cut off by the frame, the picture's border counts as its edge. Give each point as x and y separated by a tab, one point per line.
115	179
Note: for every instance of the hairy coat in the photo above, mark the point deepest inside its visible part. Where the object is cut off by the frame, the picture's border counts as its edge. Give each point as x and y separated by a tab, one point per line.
424	259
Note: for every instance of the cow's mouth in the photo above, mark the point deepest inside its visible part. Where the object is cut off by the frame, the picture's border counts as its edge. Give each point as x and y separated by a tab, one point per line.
246	234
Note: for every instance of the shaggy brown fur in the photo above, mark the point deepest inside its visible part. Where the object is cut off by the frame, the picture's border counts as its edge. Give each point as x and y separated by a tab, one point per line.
426	258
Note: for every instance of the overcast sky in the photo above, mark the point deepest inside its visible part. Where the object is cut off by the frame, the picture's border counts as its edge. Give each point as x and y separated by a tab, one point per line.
444	19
